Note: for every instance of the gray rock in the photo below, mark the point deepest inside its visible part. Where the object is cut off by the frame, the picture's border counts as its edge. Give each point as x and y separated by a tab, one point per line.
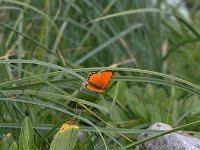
172	141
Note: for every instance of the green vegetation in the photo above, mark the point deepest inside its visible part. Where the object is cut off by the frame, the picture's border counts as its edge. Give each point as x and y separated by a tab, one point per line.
48	48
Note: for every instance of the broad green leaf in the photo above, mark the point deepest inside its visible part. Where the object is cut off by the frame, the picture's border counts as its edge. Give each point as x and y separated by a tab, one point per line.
8	143
136	105
66	137
192	105
26	141
13	146
120	93
118	114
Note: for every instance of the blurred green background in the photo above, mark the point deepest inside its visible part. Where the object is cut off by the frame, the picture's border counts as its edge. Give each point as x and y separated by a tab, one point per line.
48	48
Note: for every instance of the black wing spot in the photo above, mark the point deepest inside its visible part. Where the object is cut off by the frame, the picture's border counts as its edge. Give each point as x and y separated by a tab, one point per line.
90	75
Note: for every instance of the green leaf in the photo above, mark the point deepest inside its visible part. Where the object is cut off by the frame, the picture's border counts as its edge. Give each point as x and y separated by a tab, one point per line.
85	142
192	105
136	104
8	143
117	114
66	137
26	141
13	146
120	97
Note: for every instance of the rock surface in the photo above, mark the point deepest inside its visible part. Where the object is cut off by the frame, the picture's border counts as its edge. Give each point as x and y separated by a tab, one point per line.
172	141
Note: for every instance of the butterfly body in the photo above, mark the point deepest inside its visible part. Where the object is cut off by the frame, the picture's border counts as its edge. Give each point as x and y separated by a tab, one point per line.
98	82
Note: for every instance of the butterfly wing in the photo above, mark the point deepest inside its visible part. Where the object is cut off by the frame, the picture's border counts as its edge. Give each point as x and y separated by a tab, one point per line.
94	79
95	89
99	82
105	77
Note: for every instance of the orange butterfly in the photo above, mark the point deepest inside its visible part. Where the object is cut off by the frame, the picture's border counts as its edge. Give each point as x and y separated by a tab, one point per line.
98	82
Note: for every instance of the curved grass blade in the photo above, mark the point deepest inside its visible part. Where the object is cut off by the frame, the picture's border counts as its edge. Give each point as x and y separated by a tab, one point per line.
29	38
32	8
157	81
107	43
16	61
145	72
39	103
129	12
175	48
162	134
56	96
148	10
